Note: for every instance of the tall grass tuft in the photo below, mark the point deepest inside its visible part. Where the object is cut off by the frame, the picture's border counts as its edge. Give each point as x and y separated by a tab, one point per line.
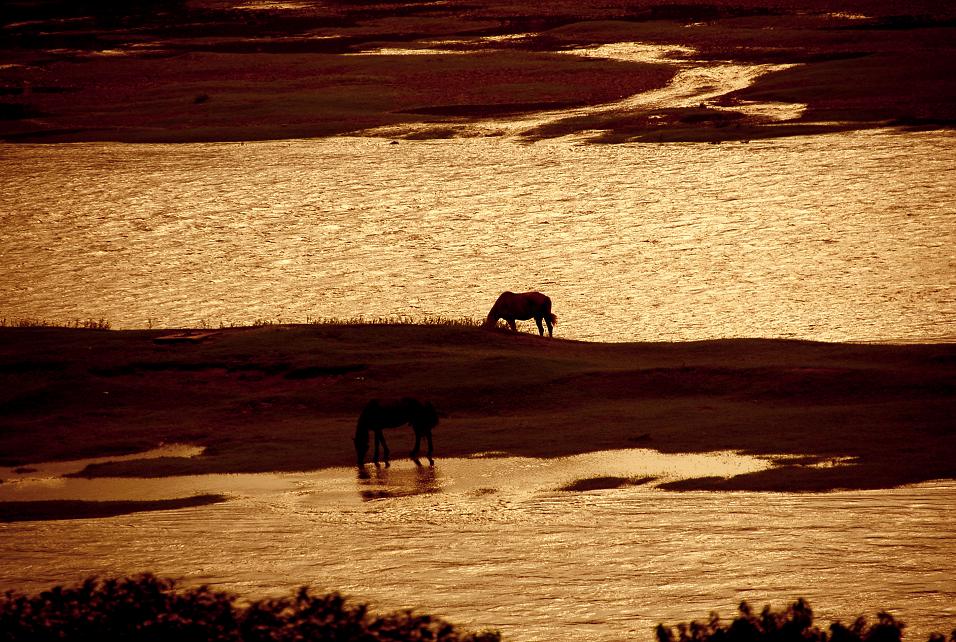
203	324
151	608
463	322
82	324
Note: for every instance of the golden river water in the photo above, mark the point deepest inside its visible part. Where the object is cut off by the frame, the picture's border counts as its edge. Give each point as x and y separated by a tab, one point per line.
834	237
494	542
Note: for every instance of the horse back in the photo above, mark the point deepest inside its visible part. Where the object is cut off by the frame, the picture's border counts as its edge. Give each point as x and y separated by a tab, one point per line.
540	302
525	305
379	414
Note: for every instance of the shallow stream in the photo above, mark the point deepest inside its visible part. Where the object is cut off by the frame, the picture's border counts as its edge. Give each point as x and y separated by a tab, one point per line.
494	542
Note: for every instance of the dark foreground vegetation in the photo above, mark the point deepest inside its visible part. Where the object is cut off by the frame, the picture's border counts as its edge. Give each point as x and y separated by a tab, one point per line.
146	608
795	624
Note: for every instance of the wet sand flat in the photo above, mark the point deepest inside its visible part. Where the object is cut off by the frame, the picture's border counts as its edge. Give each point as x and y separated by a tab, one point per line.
286	398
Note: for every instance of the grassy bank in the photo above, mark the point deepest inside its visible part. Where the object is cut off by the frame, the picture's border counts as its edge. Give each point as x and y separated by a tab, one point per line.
282	398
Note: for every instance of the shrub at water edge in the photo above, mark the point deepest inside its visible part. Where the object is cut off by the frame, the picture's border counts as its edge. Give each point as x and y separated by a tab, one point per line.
795	624
146	609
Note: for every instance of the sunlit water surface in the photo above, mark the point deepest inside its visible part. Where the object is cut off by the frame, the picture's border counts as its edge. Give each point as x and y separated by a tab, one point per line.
835	237
495	542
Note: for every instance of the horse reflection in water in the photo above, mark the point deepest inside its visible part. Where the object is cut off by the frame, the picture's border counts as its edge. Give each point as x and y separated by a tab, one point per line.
387	483
521	307
377	415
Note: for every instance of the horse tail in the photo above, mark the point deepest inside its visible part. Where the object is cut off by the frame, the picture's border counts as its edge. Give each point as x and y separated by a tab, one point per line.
553	317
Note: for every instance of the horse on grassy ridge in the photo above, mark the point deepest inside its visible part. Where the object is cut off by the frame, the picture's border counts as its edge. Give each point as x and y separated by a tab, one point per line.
523	306
377	415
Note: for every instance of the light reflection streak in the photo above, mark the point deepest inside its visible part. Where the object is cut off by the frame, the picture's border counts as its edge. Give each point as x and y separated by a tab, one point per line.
696	83
48	481
53	470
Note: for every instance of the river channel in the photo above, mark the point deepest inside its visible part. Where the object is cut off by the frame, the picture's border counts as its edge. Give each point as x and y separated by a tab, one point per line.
498	542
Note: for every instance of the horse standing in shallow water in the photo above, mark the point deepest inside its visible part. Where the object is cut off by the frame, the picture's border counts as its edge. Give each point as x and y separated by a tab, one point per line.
378	415
524	306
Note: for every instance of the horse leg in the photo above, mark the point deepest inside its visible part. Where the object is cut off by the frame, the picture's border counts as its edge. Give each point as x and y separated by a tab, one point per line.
541	329
418	442
512	325
428	436
381	434
380	437
547	320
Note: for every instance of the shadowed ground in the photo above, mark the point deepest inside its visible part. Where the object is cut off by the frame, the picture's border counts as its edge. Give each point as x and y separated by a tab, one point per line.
211	70
282	398
29	511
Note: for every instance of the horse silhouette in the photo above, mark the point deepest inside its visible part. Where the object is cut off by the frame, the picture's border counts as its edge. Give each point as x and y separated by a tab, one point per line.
377	415
523	306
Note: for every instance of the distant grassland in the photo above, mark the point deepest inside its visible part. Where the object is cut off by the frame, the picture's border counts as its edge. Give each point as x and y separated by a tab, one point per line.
75	70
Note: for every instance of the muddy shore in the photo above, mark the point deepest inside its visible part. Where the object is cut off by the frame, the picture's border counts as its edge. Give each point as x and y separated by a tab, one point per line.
286	398
212	70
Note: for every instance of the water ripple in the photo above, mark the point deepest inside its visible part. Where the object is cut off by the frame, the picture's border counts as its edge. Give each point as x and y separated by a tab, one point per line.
837	237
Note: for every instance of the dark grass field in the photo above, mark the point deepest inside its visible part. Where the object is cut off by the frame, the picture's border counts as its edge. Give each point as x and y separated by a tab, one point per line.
207	70
285	398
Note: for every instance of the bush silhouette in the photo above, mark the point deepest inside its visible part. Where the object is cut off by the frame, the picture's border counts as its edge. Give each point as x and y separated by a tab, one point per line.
795	624
150	609
146	608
